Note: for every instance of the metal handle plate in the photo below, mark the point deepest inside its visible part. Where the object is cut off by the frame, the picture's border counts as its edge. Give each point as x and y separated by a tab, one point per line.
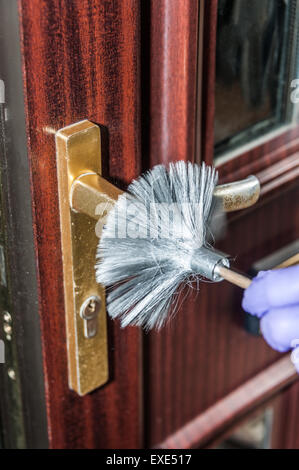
78	150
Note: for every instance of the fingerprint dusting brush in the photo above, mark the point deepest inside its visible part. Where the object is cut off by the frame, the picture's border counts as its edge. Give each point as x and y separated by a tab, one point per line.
157	237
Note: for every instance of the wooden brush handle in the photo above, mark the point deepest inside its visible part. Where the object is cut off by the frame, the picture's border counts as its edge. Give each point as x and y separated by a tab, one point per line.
234	277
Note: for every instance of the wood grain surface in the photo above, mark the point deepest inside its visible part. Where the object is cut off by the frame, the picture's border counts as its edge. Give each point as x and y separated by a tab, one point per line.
81	61
261	158
208	80
234	406
173	79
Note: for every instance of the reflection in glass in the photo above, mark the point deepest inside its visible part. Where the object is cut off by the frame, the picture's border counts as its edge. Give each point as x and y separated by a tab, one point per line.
255	58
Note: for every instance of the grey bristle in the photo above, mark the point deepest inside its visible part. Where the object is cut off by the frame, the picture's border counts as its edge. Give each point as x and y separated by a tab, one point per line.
145	266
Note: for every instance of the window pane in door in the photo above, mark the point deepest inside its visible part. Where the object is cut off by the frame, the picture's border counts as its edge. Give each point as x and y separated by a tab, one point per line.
255	63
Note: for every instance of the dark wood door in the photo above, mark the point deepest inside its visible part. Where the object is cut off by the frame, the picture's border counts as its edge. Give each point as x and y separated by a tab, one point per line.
80	60
145	72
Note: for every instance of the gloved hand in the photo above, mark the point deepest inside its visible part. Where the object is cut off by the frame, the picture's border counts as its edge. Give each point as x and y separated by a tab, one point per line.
273	296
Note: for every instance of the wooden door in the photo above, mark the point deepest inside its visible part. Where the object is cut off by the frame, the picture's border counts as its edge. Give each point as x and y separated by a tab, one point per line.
145	72
79	60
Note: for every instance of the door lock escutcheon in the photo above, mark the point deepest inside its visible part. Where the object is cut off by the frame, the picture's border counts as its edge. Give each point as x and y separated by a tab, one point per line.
85	199
78	151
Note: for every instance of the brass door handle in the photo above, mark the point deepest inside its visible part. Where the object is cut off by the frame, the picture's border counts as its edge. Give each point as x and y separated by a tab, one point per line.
238	194
83	197
89	190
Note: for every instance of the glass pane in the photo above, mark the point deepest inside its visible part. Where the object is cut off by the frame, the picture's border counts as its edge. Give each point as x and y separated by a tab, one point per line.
253	434
255	63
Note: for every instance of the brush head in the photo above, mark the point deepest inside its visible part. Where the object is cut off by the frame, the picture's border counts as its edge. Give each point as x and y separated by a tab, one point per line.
151	238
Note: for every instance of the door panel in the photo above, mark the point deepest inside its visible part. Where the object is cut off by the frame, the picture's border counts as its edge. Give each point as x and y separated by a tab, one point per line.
81	61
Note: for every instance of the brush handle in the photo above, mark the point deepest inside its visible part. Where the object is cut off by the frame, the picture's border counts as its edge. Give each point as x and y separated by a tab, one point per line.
233	277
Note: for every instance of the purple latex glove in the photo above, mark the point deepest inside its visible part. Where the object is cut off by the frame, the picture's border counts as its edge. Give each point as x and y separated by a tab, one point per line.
273	296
